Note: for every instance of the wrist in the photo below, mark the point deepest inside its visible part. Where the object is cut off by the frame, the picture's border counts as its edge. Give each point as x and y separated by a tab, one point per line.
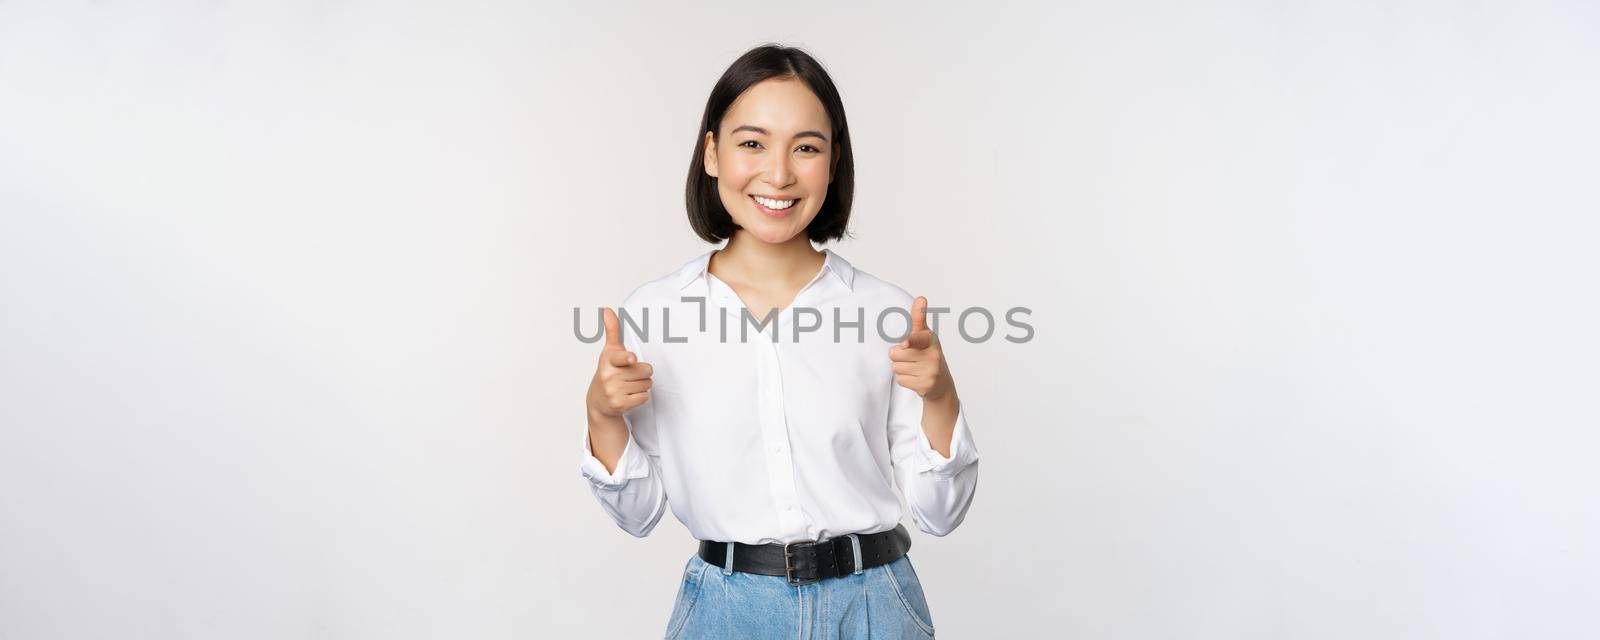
600	421
948	399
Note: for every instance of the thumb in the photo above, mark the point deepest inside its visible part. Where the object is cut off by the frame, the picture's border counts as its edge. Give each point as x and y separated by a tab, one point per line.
919	340
613	329
919	314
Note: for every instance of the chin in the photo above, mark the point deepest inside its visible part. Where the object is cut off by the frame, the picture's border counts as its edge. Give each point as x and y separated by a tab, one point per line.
769	230
773	236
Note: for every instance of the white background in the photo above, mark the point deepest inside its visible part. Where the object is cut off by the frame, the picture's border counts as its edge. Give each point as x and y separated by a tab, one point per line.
286	298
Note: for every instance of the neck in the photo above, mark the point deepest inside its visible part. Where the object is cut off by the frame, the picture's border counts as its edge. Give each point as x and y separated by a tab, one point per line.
749	259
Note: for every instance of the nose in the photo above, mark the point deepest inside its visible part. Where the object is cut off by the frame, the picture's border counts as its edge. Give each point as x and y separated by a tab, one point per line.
779	174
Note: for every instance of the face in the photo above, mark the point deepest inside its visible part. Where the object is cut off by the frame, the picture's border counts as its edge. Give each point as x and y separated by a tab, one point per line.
775	142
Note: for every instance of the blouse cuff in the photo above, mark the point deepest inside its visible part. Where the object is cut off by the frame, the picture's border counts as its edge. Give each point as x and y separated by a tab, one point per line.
630	466
963	451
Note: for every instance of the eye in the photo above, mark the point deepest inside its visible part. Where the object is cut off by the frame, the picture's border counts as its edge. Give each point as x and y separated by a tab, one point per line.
812	149
747	142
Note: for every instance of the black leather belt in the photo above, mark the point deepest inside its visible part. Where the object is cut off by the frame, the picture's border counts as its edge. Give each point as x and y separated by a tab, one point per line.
808	561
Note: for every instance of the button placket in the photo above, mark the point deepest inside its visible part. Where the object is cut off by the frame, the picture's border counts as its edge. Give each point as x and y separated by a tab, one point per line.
775	433
770	406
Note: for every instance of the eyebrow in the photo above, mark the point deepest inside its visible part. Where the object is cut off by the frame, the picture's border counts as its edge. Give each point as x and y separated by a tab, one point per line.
803	134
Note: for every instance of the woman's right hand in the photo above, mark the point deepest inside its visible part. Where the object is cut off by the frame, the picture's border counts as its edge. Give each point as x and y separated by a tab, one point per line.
620	381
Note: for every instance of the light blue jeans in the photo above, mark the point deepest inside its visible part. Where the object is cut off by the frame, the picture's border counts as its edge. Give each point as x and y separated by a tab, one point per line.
885	602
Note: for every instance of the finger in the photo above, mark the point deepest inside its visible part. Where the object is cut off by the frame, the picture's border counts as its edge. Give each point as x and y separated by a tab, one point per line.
900	353
613	329
633	386
618	357
919	340
633	400
919	314
636	371
907	368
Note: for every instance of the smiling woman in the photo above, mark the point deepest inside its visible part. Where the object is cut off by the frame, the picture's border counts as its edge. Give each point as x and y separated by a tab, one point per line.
782	459
772	102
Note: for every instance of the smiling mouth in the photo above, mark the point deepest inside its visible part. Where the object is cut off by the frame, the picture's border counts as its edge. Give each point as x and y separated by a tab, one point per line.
774	204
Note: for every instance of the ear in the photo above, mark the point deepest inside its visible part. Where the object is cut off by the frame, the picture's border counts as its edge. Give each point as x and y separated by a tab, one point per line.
710	146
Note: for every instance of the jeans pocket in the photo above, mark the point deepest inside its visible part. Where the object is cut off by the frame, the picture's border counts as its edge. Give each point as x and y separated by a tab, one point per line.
688	595
903	577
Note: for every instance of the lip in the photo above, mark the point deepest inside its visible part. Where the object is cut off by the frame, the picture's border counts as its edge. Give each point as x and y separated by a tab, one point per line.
775	213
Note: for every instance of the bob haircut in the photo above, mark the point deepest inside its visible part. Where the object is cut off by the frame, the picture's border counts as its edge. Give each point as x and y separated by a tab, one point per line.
707	216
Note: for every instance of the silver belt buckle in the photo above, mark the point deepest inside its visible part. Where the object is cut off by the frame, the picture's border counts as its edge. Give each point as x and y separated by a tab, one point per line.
788	565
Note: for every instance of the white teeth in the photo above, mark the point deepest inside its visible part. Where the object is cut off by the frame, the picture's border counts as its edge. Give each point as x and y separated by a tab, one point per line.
774	204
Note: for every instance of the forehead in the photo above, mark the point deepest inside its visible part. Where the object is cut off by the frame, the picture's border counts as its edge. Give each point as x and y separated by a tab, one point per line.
781	106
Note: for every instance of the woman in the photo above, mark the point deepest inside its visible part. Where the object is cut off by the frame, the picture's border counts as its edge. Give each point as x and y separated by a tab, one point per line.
779	452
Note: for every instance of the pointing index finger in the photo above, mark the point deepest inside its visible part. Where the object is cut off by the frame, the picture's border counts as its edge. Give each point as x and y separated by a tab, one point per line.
620	357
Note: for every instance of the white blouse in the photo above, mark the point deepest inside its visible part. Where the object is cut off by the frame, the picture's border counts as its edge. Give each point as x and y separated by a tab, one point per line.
759	441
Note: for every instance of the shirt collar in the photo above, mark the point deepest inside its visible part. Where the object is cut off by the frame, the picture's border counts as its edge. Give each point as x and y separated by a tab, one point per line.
832	263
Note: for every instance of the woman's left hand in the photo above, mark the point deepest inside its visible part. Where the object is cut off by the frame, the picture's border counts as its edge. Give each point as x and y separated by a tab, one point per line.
918	360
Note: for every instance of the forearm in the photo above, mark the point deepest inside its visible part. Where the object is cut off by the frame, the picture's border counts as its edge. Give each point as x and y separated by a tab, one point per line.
939	420
630	489
608	436
940	491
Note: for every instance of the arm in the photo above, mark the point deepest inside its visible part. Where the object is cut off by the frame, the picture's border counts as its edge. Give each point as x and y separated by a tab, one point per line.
938	488
935	459
629	489
627	483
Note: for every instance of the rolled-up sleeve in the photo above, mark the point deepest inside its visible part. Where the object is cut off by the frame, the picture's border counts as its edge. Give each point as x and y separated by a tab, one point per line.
632	494
938	489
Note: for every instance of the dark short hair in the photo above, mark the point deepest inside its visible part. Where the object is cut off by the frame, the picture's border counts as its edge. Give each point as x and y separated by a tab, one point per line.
707	216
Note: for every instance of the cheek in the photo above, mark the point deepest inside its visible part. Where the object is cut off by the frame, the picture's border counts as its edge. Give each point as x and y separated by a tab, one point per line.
815	175
737	169
815	178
